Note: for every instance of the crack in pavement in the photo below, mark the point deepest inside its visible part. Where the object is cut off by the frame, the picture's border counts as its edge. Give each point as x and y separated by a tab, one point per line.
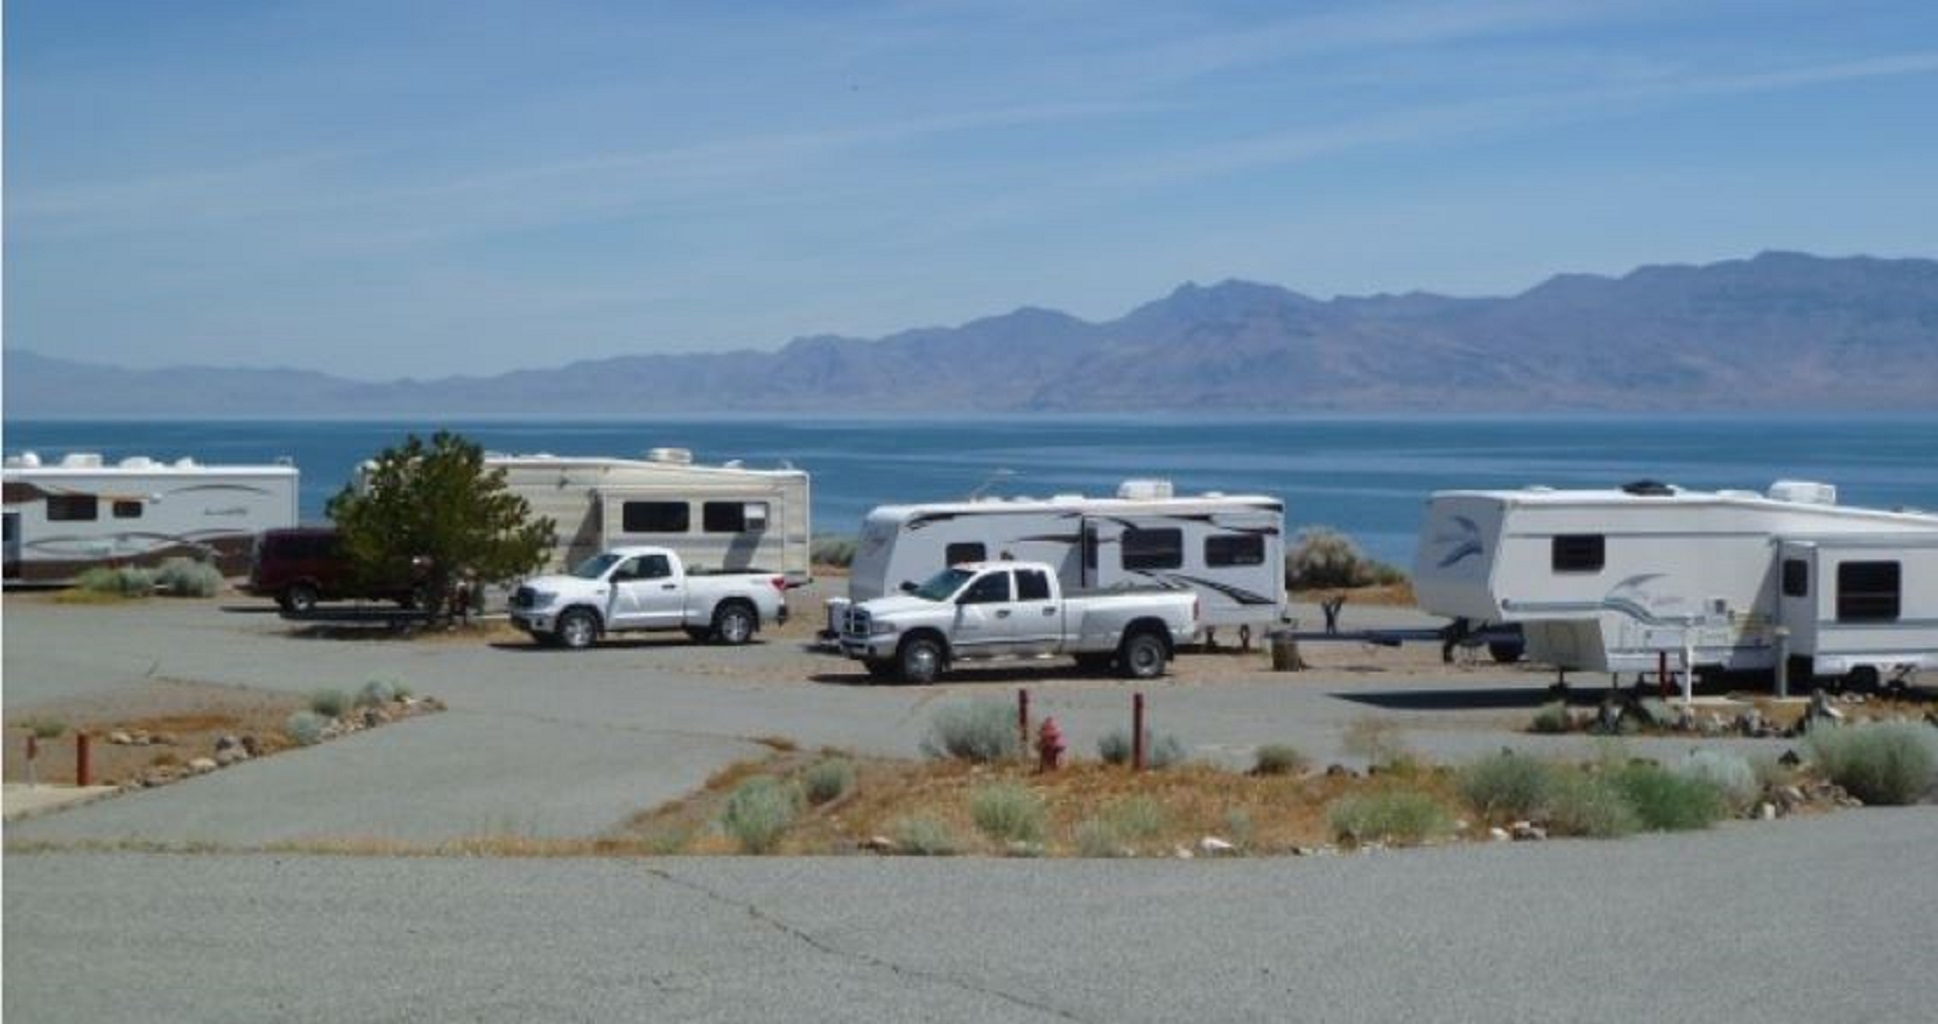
864	959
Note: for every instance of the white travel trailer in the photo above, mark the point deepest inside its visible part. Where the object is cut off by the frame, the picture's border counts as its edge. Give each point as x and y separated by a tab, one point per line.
1229	548
65	517
1615	580
717	518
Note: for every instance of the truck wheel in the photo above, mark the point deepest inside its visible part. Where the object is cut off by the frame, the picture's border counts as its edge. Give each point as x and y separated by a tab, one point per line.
300	598
920	660
734	623
1141	656
576	629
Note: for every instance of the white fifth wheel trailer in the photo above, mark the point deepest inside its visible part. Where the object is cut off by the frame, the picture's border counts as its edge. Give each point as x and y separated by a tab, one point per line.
1615	580
65	517
1229	548
724	518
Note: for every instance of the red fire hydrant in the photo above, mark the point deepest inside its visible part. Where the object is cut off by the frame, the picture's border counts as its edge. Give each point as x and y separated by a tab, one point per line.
1049	746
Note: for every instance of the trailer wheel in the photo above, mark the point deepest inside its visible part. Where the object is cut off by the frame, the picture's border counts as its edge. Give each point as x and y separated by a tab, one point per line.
300	598
734	623
920	660
576	629
1141	656
1506	652
1863	679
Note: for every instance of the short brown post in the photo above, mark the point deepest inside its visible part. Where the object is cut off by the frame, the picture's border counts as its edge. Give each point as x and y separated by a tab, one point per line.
1662	671
1023	718
81	772
1137	732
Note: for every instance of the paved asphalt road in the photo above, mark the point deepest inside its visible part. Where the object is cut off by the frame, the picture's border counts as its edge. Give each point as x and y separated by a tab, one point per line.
1818	919
1825	919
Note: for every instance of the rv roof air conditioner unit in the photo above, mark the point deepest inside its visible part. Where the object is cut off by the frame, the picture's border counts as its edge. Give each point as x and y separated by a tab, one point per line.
138	462
674	456
1804	492
1144	490
82	460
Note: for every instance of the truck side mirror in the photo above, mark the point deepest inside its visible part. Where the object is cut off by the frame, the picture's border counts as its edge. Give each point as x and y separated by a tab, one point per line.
908	586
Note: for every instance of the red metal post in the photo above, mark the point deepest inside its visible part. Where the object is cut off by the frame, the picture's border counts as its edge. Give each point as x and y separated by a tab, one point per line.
33	746
81	773
1137	732
1023	718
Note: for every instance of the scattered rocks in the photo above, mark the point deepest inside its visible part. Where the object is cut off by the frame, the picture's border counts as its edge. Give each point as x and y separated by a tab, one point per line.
201	765
1340	771
120	739
1526	832
878	844
1499	834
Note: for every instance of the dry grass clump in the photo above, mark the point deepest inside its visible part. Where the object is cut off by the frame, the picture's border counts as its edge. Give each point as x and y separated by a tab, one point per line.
979	731
1884	763
1398	815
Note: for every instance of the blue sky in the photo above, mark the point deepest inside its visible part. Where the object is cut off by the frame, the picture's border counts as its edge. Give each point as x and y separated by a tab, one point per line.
386	189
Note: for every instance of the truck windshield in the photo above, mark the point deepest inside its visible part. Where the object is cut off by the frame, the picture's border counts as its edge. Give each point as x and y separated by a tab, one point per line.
596	566
942	584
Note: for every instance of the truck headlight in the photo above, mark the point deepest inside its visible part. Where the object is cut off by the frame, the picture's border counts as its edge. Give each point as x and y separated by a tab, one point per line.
542	599
880	628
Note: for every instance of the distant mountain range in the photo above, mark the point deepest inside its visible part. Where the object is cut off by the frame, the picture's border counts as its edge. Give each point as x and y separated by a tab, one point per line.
1780	331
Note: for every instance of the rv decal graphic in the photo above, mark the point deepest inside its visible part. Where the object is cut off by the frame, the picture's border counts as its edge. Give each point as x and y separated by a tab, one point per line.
1464	541
1238	595
1627	598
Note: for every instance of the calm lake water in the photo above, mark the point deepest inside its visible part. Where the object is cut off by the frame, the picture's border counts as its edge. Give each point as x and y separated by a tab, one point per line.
1368	476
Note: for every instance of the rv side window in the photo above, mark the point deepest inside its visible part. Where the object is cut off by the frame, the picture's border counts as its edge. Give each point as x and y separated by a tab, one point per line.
1796	578
127	510
655	516
733	516
1579	552
70	508
1867	592
1235	549
1153	549
991	589
1032	585
956	554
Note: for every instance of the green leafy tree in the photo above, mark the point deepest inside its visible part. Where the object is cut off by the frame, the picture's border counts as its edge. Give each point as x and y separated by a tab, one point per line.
434	514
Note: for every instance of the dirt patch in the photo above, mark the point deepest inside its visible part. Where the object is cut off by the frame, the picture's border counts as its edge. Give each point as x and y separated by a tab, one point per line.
180	721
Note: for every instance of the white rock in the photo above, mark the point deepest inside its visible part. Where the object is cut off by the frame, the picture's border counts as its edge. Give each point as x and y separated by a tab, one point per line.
1212	846
1499	834
120	739
202	765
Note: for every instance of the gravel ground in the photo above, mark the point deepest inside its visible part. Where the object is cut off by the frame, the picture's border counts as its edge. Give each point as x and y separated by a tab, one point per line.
547	743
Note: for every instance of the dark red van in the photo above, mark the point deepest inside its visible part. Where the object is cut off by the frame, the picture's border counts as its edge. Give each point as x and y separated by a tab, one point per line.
304	565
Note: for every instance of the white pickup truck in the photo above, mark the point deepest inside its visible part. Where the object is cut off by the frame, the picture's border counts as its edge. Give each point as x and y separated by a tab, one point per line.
646	588
981	610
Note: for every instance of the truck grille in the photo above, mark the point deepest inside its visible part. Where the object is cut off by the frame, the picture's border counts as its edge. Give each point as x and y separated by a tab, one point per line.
853	622
523	597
